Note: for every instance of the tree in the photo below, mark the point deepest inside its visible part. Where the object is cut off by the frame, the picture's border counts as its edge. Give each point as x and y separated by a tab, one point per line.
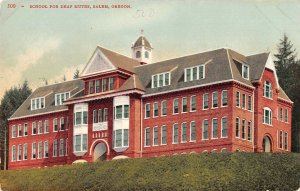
10	102
76	74
64	79
288	77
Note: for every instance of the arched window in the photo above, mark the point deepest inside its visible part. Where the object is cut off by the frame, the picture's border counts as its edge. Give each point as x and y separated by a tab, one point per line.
138	54
146	54
268	89
267	118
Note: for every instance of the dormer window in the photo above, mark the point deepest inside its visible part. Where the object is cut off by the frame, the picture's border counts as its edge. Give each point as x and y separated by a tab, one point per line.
160	80
138	54
194	73
245	71
268	89
61	97
37	103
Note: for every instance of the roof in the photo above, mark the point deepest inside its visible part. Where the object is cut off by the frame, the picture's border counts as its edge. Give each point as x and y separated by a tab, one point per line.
48	92
142	41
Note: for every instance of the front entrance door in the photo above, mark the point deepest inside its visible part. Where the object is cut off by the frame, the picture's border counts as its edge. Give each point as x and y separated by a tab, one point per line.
267	146
100	152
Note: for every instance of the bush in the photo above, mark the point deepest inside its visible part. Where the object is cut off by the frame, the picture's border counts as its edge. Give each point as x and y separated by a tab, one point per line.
218	171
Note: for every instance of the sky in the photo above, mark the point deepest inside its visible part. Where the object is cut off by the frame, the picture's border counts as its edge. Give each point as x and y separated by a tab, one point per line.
48	43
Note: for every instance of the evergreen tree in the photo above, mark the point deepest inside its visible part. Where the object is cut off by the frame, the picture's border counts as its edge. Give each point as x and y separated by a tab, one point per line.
76	74
10	102
288	77
64	79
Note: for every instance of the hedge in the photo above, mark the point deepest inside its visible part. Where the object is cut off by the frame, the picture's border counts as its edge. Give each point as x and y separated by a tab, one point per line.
215	171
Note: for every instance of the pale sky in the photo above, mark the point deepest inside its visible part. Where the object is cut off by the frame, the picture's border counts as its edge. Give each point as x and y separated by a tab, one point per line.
48	43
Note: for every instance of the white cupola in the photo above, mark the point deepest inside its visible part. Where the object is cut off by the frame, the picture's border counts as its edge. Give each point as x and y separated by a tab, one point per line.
142	50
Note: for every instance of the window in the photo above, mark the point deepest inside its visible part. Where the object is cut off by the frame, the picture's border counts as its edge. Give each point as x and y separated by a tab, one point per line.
95	116
237	99
147	137
61	147
122	112
61	97
175	106
250	103
138	54
14	131
46	126
25	129
194	73
25	151
281	140
40	127
91	87
286	141
19	130
33	151
111	83
183	132
155	109
120	138
184	105
104	85
160	80
100	116
55	126
66	146
97	86
155	136
62	124
214	99
40	150
33	128
205	101
281	114
37	103
105	115
55	148
224	98
175	133
214	128
193	131
286	115
14	153
243	129
237	127
244	101
164	135
224	127
205	130
81	118
164	108
267	118
19	152
147	110
46	152
146	54
193	103
245	71
268	89
80	143
249	131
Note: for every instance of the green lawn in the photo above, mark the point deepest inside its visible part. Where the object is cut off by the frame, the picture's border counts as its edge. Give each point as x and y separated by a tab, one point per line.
219	171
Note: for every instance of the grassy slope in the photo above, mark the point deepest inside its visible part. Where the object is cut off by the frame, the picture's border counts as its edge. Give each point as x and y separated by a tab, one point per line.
236	171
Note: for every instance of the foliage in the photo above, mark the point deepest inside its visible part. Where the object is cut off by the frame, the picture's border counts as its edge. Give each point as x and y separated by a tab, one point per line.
10	102
288	70
76	74
218	171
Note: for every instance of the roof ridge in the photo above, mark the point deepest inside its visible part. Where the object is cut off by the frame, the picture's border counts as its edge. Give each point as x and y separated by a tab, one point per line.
258	54
77	79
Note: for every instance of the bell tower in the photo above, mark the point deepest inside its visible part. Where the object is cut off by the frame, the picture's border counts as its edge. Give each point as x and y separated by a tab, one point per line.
142	50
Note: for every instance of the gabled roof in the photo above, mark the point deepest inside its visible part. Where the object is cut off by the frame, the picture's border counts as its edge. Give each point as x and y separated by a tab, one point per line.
48	92
142	41
257	64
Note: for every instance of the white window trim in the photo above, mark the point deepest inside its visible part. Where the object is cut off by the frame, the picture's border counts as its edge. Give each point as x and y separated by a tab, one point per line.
281	140
18	150
251	99
55	140
12	153
270	89
154	110
248	71
212	130
146	110
38	150
40	103
164	79
191	76
12	131
32	151
203	100
244	106
174	105
173	134
245	128
182	105
239	127
45	149
270	117
162	108
19	128
203	129
63	147
45	132
26	131
191	103
162	136
153	136
60	96
286	116
54	124
24	151
222	98
222	126
186	136
62	118
38	127
34	122
191	132
145	135
212	100
287	141
248	131
237	92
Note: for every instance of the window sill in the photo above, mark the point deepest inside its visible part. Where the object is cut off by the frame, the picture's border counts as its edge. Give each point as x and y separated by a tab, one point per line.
214	138
224	137
205	108
193	111
224	106
146	146
270	98
193	141
184	112
175	113
155	145
175	143
205	139
163	144
268	124
214	107
183	142
163	115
